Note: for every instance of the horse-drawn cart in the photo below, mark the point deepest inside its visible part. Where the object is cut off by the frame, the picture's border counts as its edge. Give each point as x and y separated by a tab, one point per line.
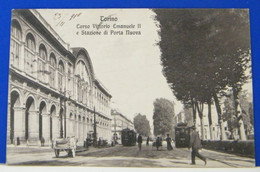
65	144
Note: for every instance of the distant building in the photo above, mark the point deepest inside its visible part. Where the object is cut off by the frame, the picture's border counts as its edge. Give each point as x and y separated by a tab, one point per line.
215	128
120	122
179	118
183	118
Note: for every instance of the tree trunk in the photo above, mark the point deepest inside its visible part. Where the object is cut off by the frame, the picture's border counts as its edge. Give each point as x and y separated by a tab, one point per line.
200	112
220	121
210	120
238	114
193	112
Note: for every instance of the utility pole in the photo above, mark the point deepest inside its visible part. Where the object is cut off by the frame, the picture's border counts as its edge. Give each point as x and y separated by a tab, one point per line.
115	135
95	129
61	119
65	117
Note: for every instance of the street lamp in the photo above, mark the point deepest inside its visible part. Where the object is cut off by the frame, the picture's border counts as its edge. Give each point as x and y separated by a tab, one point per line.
63	132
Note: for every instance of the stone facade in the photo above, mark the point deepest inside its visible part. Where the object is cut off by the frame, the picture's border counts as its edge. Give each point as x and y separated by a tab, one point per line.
53	91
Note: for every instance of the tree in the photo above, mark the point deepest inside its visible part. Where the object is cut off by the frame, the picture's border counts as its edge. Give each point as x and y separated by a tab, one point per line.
232	119
203	52
163	116
142	125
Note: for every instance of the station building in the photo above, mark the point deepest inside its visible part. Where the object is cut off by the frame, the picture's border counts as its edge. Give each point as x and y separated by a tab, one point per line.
53	91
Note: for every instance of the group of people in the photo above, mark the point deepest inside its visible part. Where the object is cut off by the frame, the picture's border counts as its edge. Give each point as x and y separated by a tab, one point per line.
158	142
195	144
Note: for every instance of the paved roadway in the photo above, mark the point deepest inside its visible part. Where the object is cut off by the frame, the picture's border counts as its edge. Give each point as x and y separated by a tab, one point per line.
120	156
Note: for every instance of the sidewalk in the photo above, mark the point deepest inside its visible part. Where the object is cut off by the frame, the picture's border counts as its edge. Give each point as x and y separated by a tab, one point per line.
27	149
39	149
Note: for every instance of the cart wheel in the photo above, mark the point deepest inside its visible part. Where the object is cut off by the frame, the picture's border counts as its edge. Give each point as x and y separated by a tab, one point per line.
57	153
73	153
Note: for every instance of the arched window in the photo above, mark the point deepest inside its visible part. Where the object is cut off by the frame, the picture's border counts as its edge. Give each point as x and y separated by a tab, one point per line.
83	76
60	76
29	53
61	67
52	70
16	30
15	49
53	60
30	42
41	63
42	52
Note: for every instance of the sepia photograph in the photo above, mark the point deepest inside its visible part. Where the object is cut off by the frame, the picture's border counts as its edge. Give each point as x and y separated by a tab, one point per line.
163	88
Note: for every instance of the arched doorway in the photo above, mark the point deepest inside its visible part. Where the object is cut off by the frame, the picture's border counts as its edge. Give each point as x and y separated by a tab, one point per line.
29	107
53	113
42	110
15	102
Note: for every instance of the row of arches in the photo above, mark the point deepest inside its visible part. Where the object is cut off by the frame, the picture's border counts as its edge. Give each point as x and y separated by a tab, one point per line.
34	62
30	43
28	123
31	122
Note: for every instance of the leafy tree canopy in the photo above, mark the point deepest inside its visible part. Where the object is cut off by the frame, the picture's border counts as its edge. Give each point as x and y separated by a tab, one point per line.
163	116
203	51
142	125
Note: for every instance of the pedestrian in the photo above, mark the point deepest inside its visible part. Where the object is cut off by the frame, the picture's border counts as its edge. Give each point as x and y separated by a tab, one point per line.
158	142
161	140
147	141
99	142
139	141
42	141
169	140
195	144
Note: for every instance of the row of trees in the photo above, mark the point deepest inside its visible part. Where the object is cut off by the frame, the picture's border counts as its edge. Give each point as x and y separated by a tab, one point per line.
203	53
164	123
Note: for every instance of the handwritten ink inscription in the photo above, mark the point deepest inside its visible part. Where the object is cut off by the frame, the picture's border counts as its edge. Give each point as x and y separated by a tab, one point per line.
63	18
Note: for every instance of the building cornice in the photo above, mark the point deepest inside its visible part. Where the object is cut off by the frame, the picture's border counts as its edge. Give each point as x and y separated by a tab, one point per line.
117	113
102	88
41	25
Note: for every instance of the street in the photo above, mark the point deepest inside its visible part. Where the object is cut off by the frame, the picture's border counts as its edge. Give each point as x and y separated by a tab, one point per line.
120	156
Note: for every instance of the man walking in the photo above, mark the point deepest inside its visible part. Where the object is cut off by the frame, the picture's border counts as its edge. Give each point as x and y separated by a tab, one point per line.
139	141
195	144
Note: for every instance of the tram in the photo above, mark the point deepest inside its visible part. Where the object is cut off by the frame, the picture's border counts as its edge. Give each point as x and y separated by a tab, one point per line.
182	135
128	137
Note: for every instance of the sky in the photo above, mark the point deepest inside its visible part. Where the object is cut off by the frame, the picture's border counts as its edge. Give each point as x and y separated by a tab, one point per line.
128	65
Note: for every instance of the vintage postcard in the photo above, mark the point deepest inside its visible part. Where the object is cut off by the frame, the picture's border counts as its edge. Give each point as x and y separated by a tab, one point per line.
130	88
